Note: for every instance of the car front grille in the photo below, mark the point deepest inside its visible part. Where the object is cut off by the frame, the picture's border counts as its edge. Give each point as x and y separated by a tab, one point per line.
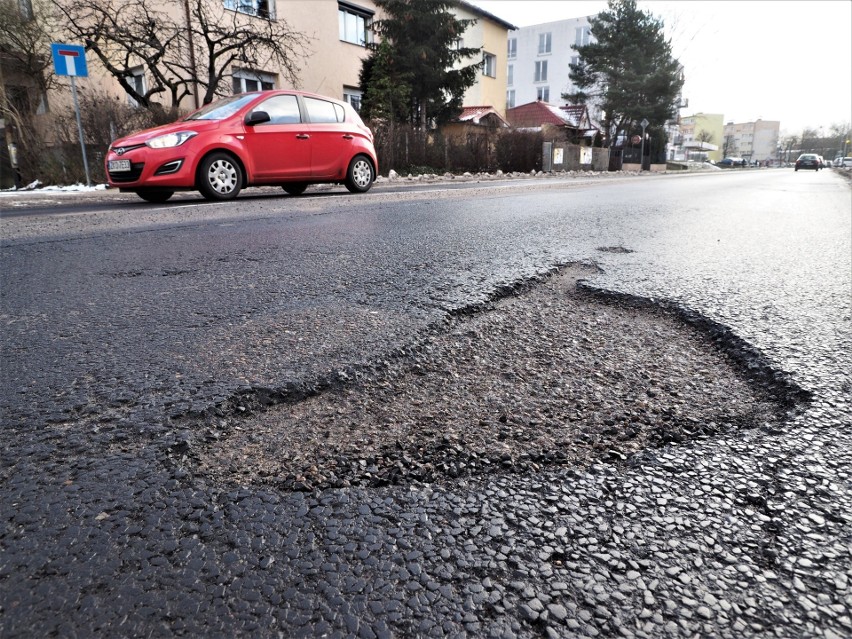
128	176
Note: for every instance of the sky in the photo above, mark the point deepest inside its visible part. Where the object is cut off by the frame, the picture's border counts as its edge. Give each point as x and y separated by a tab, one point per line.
785	60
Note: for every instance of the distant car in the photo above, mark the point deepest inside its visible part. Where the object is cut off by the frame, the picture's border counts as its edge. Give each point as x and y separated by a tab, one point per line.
285	138
731	162
808	161
846	163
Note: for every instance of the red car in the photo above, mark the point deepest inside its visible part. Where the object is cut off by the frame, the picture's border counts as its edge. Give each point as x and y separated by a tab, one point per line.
286	138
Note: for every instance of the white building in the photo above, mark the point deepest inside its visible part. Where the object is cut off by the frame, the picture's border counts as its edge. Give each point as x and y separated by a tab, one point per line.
538	58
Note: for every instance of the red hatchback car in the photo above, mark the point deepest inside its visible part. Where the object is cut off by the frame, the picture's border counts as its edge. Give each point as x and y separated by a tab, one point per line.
286	138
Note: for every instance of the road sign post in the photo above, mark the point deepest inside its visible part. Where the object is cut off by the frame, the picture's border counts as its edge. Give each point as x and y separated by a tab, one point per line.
643	123
70	60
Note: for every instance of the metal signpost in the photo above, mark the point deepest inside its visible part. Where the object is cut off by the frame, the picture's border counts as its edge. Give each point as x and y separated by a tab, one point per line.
70	60
643	124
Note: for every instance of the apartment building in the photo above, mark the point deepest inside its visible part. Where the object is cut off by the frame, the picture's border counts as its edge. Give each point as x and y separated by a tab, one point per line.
754	141
538	59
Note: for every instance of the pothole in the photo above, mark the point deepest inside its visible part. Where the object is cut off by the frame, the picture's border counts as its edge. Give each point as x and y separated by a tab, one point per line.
548	376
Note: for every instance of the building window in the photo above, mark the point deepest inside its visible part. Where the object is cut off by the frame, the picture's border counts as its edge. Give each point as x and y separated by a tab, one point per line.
543	94
513	48
259	8
510	99
489	66
510	80
353	97
575	60
136	80
245	81
540	71
582	36
354	24
543	43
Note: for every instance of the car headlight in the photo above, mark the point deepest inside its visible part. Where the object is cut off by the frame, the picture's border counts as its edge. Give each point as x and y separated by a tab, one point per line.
170	139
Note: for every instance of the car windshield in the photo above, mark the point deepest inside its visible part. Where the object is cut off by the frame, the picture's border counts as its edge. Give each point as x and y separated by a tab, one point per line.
223	108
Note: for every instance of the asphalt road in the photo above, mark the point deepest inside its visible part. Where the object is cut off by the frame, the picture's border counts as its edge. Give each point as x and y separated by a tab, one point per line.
122	324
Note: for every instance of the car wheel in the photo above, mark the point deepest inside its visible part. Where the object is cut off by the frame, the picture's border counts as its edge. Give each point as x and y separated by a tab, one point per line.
155	196
220	177
359	175
295	188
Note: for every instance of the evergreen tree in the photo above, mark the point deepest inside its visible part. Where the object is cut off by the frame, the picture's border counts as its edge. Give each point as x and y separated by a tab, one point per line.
418	58
388	91
628	72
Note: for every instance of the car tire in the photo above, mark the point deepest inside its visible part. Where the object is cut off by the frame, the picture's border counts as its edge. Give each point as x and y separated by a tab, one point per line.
295	188
220	177
360	174
154	196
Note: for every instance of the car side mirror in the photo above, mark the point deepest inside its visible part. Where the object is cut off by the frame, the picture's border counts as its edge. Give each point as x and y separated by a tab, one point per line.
257	117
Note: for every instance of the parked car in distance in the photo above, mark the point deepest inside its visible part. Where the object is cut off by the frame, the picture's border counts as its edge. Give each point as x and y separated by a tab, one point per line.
808	161
846	163
731	162
282	138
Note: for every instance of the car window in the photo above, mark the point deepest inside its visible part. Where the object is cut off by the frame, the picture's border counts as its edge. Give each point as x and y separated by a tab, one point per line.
282	109
323	112
223	108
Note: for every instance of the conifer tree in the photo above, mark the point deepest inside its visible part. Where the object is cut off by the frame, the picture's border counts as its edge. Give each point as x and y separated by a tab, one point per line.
421	58
628	71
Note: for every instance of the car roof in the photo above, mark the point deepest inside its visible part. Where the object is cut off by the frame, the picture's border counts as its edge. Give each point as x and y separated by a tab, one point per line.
305	94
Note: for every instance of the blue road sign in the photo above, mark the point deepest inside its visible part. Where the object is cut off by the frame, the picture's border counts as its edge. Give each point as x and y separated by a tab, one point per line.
69	59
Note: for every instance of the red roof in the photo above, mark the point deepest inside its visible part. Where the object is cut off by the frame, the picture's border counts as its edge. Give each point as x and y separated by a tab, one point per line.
535	114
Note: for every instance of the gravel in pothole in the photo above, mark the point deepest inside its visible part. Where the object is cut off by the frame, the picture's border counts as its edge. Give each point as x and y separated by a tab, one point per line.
546	377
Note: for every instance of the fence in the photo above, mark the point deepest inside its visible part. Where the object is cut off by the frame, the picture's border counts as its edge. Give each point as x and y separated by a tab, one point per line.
455	148
561	156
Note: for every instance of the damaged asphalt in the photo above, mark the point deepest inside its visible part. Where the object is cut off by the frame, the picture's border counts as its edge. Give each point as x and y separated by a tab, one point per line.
711	321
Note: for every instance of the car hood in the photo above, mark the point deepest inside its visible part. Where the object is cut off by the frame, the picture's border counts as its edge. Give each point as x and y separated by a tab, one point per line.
140	137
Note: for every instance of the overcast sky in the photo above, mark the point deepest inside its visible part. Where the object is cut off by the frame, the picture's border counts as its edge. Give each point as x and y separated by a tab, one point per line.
787	60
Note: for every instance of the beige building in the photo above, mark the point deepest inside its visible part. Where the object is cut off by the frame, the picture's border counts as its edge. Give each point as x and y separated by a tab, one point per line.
490	34
337	34
753	141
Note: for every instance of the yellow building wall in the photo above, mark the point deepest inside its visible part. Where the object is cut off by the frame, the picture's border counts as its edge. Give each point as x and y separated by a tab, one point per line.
712	123
493	39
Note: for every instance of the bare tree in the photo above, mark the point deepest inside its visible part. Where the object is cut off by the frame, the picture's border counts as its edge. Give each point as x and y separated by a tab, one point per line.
198	48
25	77
705	136
25	44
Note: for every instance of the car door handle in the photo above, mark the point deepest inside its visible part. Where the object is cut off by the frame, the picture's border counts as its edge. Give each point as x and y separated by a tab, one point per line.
303	136
348	137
